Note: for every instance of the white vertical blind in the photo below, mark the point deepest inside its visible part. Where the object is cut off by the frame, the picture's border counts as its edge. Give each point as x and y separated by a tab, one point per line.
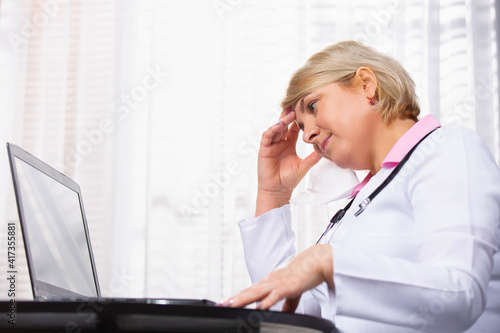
65	71
156	109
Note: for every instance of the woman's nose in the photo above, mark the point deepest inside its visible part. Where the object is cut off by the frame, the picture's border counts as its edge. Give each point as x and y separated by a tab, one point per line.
310	134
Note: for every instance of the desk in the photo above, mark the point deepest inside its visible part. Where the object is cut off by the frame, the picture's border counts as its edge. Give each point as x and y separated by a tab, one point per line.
119	316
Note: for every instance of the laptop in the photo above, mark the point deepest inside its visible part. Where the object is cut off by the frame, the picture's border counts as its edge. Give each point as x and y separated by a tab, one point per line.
56	236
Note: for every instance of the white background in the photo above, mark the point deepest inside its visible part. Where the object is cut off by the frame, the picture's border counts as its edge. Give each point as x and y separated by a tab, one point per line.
156	109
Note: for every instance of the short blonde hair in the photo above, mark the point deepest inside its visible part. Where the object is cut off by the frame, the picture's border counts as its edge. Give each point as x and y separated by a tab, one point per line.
395	94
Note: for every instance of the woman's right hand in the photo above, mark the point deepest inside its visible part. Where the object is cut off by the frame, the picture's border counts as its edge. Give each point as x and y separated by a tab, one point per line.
280	169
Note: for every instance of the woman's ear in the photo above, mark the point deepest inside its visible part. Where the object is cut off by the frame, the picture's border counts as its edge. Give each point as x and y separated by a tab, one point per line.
368	80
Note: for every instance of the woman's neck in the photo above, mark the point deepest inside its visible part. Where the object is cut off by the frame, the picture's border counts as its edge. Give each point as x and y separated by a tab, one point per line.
386	138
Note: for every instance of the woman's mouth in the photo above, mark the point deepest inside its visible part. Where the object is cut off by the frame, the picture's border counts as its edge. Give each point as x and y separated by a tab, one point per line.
324	143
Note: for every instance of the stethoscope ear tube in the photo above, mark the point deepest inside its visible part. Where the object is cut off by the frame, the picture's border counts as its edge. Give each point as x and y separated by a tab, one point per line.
366	201
362	206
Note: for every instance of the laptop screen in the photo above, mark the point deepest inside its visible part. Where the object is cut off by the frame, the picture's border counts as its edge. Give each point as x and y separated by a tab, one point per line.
55	234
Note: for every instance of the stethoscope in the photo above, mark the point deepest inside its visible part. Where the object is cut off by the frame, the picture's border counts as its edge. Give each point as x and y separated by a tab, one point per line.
366	201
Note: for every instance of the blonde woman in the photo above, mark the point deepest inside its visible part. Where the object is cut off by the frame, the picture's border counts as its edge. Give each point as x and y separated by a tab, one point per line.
415	249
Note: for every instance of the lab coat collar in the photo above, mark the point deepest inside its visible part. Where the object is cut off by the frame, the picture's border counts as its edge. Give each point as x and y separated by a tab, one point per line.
405	143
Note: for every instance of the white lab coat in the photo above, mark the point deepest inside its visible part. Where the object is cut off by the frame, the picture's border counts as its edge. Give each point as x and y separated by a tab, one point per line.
421	257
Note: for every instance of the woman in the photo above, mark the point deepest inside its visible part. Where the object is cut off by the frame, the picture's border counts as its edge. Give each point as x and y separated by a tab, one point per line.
421	255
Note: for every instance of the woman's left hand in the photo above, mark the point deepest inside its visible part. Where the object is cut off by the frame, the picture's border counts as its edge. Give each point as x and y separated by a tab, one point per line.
307	270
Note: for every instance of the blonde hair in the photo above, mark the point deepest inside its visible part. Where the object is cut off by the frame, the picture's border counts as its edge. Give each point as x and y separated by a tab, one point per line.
395	94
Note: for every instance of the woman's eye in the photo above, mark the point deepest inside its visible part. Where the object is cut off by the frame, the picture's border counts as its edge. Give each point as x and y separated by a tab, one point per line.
312	106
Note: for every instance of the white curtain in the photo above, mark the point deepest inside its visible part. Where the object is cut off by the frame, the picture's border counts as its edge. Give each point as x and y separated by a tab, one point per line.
156	109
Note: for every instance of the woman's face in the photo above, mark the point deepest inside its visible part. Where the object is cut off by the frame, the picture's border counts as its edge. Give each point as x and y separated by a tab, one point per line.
340	122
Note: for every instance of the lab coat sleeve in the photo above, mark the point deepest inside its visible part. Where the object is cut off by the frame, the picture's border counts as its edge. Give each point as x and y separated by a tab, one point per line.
268	242
454	194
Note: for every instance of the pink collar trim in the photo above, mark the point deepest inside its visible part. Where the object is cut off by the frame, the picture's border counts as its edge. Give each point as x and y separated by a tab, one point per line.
407	141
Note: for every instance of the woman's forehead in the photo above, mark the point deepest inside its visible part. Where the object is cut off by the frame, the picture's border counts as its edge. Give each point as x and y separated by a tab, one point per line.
318	92
300	102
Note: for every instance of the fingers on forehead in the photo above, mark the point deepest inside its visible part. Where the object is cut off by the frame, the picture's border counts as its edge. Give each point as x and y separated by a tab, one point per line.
285	112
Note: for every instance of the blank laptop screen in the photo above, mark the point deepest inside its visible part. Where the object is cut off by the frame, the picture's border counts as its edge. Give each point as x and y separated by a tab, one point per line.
56	233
